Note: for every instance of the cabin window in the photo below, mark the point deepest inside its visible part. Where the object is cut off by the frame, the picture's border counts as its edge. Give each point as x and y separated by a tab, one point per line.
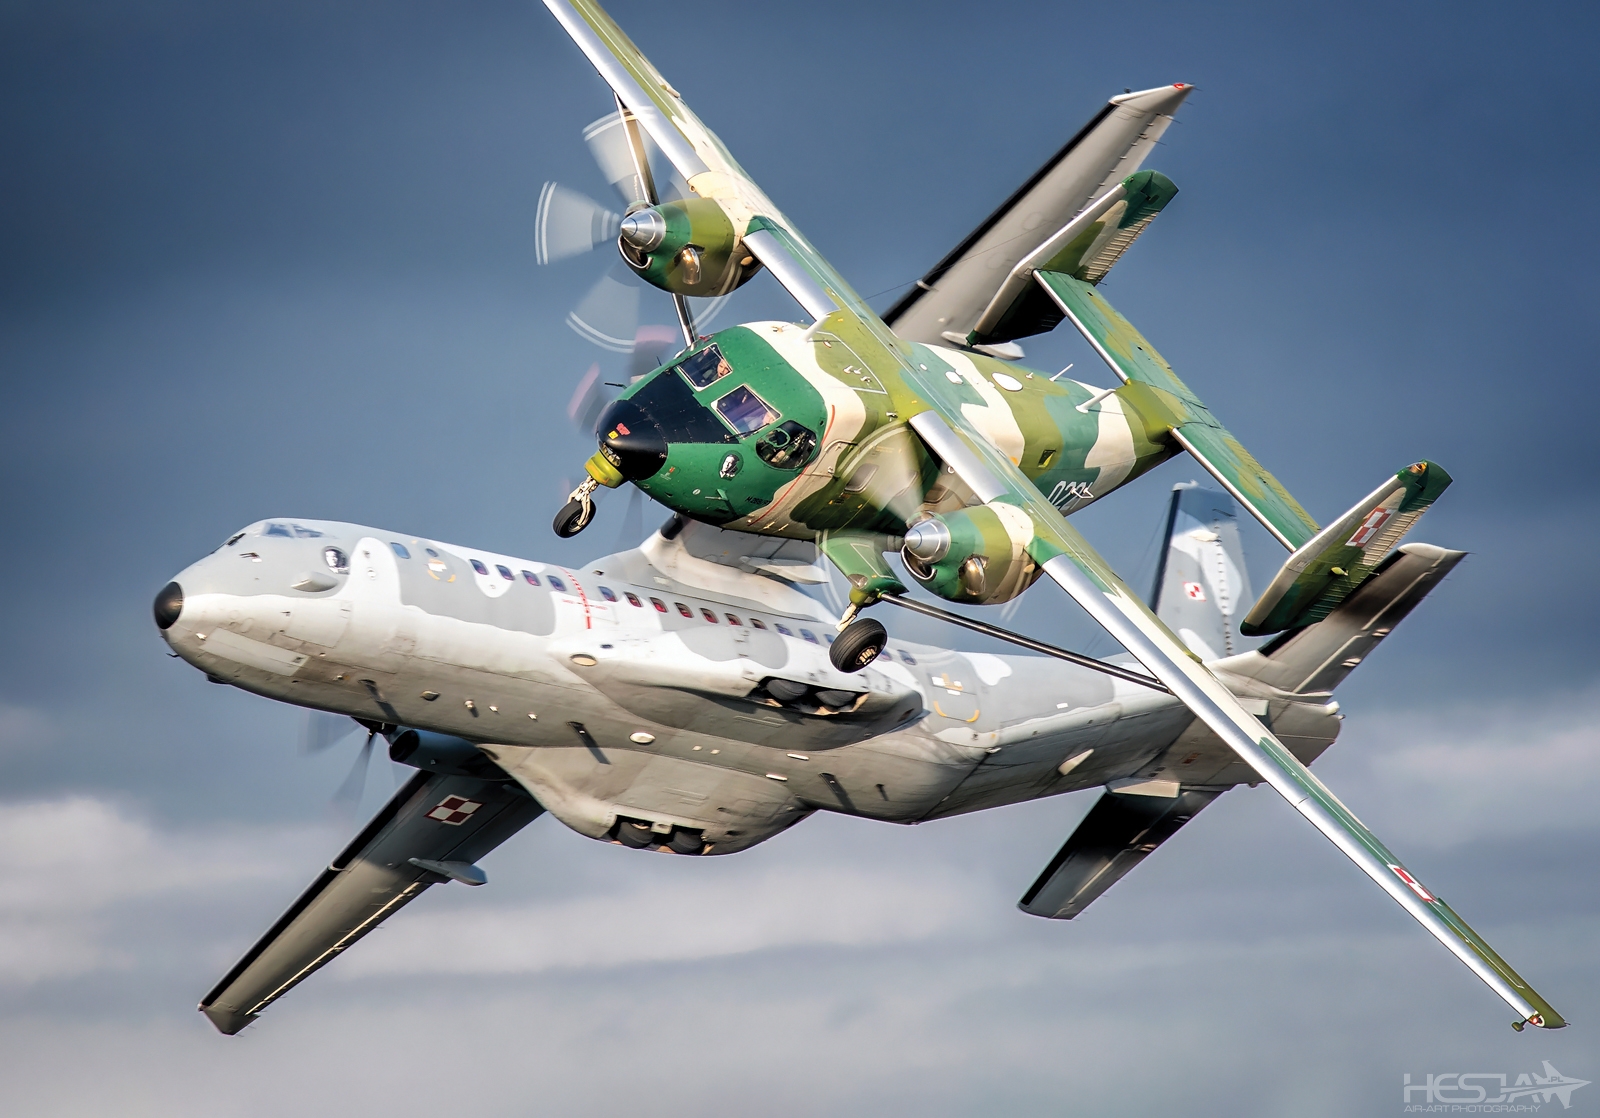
557	583
732	620
633	599
530	578
505	572
337	562
684	610
400	550
478	566
745	411
757	623
708	615
706	367
809	635
605	592
906	657
782	629
661	607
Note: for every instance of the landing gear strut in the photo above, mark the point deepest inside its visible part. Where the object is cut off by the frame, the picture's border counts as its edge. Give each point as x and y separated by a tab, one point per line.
576	514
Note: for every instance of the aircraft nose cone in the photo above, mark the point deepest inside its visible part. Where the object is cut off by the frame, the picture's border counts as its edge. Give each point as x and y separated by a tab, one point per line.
169	604
631	440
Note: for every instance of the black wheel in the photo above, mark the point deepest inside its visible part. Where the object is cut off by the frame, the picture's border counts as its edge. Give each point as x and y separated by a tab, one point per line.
686	842
572	519
858	645
634	835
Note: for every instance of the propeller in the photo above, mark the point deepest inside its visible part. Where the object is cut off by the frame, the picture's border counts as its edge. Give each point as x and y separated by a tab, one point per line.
322	731
348	797
569	223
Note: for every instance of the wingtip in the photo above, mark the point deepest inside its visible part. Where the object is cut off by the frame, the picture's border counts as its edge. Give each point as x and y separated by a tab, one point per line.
1156	96
227	1021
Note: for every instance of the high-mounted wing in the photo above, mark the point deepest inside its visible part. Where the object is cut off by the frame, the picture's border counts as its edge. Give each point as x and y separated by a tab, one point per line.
1056	546
1067	558
956	291
432	830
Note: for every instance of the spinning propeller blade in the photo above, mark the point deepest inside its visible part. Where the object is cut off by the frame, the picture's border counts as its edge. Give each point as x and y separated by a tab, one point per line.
608	315
569	224
349	795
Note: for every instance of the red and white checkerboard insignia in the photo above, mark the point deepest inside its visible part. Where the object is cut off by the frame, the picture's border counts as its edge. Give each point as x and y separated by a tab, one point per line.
454	810
1195	591
1376	519
1416	886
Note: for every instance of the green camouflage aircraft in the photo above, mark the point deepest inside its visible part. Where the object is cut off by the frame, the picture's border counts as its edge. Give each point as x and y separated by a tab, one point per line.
913	431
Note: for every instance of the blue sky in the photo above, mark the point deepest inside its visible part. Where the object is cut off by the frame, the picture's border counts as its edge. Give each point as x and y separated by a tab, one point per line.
277	259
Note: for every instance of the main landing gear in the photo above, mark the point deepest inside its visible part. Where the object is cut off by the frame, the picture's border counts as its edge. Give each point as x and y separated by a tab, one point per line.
576	514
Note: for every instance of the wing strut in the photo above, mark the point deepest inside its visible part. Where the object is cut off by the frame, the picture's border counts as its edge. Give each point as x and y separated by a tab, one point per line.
1027	642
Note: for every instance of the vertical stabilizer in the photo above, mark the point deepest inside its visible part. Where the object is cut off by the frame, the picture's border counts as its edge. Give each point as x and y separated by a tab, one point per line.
1202	586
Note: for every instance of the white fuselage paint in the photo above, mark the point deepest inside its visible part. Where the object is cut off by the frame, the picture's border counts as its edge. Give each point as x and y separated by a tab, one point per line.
515	667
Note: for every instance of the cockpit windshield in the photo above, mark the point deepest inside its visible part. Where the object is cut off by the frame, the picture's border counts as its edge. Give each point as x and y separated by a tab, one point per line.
706	367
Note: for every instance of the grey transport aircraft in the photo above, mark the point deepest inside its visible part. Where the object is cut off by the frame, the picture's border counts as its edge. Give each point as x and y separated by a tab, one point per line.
680	697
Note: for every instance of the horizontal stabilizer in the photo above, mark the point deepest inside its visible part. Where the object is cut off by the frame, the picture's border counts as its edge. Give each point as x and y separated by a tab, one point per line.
1119	832
432	830
1323	571
1316	658
1160	391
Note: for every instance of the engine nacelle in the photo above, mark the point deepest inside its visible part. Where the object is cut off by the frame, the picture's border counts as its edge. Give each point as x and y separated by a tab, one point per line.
977	555
442	753
687	246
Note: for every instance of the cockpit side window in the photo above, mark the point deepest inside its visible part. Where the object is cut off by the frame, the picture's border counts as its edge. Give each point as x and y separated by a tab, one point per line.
745	411
788	446
706	367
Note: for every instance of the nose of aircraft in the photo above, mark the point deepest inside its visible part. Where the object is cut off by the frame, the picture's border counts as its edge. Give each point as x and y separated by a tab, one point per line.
632	440
169	604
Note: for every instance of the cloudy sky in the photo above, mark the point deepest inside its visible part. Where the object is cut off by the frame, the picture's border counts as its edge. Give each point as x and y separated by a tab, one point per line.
277	259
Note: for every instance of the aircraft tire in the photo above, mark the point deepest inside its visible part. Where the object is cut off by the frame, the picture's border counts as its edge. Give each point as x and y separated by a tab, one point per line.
635	836
573	518
858	645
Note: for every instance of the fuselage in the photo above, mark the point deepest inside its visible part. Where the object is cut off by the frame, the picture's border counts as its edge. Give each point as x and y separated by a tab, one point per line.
685	683
771	428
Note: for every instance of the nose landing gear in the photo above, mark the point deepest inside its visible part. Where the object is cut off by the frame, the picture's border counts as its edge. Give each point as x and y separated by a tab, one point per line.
576	514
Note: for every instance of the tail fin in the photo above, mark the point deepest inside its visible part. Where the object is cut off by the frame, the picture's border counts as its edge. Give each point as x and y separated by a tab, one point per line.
1201	580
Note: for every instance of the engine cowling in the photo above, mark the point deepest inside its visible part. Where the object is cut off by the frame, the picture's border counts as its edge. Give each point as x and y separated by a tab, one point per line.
686	246
977	555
